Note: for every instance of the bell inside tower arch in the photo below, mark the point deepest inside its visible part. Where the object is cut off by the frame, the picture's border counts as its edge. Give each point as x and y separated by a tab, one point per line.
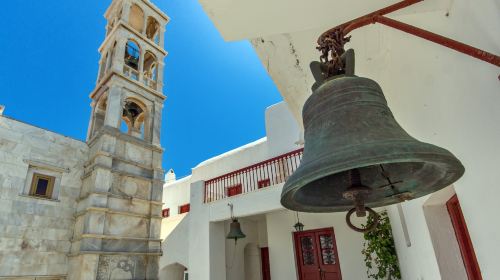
133	115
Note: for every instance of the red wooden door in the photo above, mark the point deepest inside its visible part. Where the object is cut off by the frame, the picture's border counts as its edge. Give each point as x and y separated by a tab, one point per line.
266	268
463	238
316	255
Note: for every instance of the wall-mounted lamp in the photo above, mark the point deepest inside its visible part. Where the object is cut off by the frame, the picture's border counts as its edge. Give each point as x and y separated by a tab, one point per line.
298	225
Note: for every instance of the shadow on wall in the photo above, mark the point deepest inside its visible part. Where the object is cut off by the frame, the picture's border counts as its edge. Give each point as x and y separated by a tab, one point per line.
175	248
451	265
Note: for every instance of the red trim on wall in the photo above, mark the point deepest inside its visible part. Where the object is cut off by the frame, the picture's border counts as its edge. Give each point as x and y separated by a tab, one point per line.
234	190
263	183
463	238
165	213
184	208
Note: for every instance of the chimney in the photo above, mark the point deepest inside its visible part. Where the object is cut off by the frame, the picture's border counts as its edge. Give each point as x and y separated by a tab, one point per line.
170	176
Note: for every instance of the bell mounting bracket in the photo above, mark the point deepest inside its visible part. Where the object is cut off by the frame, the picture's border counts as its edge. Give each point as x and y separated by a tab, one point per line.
331	42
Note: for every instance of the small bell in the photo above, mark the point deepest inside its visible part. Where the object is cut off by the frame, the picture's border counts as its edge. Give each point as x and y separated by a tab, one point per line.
235	227
235	231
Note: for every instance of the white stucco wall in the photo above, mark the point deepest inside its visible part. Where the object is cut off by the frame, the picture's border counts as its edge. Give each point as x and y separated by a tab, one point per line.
176	193
35	233
174	232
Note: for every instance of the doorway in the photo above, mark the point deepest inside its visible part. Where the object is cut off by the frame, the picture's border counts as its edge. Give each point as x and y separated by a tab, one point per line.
316	255
265	265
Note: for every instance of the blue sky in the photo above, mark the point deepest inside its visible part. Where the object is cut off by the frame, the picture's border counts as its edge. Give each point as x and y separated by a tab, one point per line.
217	91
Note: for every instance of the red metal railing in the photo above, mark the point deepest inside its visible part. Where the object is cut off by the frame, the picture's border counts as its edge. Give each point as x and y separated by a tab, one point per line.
263	174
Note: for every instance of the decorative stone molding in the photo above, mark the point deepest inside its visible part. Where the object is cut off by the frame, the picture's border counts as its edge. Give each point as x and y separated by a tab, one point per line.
119	196
102	236
107	210
46	165
37	277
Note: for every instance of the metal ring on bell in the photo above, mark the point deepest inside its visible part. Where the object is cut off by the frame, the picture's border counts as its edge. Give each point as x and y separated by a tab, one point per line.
376	220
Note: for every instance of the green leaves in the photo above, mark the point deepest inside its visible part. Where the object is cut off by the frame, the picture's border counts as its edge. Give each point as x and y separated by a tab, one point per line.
379	250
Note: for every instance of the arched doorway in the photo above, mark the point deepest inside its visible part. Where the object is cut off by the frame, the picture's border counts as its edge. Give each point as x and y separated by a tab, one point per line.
173	271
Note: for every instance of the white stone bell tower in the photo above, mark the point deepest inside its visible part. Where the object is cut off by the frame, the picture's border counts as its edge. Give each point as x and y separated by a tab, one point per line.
117	224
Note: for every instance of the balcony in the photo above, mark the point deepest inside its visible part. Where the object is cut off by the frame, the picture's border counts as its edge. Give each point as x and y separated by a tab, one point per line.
253	178
130	72
149	82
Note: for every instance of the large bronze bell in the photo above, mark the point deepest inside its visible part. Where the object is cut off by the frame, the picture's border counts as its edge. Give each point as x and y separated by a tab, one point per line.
235	231
357	155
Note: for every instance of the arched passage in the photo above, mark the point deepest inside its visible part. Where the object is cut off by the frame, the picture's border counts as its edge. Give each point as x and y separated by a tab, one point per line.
173	271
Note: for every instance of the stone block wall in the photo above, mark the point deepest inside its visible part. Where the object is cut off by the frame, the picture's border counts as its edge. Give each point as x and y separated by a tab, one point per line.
35	233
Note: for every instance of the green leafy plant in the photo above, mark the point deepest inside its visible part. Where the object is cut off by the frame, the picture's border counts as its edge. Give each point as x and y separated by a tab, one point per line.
379	250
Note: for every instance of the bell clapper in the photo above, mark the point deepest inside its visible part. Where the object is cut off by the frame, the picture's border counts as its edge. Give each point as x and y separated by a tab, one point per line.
357	193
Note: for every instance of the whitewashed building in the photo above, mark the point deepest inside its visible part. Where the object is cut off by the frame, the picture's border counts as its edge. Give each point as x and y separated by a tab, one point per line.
437	94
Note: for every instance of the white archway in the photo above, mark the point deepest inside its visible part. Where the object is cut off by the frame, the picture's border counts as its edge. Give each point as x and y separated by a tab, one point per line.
173	271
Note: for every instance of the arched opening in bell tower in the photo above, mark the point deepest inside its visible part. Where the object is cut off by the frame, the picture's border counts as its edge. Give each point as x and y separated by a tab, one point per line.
111	56
134	118
136	18
131	59
150	68
153	30
99	114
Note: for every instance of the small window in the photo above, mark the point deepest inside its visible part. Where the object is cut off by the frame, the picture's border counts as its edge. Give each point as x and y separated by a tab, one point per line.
42	185
165	213
184	208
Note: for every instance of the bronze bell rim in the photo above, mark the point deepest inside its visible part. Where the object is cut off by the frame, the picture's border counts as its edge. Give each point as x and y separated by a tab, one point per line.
445	161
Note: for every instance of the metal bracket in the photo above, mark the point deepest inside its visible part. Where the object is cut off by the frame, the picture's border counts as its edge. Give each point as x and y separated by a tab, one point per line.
338	33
